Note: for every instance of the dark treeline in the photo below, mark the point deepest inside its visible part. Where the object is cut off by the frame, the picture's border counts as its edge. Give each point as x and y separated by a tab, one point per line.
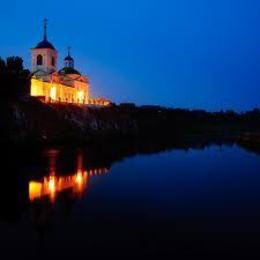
14	79
14	83
169	120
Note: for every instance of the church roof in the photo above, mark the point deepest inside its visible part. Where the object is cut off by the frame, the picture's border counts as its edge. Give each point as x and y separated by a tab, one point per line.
44	45
68	58
68	70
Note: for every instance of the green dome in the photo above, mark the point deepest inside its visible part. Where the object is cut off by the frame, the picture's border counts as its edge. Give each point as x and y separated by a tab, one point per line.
68	70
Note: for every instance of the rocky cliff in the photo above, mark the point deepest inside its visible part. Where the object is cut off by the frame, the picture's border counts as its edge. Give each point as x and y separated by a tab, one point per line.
34	121
28	120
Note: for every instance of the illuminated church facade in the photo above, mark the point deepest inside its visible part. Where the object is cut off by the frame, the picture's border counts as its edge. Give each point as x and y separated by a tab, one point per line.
66	85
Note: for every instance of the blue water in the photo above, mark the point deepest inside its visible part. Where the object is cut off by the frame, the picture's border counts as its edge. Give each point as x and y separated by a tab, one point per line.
195	204
216	181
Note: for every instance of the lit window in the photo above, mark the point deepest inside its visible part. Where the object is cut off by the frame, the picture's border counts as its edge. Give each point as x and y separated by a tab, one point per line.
53	93
80	95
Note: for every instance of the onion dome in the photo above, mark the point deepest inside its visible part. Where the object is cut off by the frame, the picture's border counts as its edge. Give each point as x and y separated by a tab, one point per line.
68	58
45	44
69	61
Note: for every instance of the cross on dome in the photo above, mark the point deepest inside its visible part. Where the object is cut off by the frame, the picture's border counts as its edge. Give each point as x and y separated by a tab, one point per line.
45	23
45	44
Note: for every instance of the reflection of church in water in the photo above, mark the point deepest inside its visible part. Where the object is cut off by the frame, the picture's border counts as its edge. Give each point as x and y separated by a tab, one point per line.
66	85
53	185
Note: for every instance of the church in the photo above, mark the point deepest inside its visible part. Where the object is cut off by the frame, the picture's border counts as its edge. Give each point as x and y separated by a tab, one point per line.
66	85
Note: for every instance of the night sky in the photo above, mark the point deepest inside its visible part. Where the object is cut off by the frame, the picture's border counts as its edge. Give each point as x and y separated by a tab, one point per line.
179	53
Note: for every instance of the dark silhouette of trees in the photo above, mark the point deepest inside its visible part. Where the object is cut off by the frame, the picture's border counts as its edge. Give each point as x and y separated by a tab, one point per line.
14	65
14	79
2	66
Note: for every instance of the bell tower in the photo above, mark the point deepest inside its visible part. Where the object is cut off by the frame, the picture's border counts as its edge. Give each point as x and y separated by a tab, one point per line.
44	55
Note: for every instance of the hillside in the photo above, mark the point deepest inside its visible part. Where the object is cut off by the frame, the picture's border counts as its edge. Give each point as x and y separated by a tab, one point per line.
28	120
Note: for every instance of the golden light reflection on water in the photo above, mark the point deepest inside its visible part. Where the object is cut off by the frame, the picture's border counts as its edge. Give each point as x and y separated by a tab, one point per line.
50	186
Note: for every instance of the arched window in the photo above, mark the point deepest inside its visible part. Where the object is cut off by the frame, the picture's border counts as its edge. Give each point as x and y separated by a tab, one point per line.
53	61
39	59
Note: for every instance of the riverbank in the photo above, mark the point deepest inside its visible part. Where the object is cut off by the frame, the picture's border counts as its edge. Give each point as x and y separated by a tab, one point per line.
28	121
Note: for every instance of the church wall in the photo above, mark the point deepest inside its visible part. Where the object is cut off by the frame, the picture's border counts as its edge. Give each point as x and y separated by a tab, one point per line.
37	88
56	92
82	87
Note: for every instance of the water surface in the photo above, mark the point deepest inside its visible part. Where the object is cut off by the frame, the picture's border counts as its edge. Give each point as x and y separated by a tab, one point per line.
78	203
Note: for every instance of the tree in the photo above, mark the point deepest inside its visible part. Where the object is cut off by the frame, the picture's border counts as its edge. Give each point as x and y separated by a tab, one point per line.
14	65
14	80
2	66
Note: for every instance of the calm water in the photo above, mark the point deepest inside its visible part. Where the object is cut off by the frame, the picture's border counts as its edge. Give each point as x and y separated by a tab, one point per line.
102	204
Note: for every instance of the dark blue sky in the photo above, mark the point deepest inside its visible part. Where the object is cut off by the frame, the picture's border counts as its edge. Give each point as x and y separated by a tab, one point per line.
179	53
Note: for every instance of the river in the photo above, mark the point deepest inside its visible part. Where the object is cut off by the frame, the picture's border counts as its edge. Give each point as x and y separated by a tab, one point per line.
107	203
